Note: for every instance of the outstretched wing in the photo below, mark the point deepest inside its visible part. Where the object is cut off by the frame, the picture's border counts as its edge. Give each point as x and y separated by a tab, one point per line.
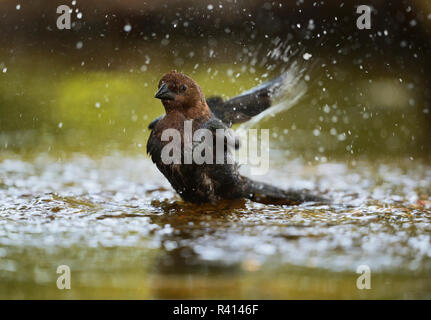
243	107
248	104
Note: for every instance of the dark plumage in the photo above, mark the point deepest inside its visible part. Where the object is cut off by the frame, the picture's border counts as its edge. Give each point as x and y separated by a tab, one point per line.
184	100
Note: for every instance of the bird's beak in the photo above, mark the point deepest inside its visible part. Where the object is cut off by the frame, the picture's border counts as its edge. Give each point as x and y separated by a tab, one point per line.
164	93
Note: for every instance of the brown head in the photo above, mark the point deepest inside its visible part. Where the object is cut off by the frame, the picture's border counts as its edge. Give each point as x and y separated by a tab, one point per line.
179	92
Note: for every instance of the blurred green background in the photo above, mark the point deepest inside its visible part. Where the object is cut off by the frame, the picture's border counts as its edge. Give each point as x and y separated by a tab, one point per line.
91	88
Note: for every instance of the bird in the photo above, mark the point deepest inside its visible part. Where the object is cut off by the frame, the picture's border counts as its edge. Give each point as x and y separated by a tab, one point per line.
200	183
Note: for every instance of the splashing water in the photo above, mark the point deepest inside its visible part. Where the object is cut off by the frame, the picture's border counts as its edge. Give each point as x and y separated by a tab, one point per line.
97	214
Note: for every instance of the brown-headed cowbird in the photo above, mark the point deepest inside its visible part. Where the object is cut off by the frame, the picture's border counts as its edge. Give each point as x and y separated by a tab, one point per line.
184	100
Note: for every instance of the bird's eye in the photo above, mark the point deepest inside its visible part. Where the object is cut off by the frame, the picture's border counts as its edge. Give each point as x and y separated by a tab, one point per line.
183	88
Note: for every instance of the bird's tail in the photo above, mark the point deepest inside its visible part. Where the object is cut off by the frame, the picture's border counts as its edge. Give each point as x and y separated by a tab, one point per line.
267	194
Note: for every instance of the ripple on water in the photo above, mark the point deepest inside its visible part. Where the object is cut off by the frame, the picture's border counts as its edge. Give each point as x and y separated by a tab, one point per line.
380	215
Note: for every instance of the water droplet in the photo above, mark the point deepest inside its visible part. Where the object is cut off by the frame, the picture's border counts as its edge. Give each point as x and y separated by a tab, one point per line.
307	56
127	27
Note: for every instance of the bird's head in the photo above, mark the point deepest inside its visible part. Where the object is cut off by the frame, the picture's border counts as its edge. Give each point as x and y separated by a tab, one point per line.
180	92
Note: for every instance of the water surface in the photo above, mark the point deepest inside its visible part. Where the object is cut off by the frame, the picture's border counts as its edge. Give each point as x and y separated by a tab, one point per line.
125	234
